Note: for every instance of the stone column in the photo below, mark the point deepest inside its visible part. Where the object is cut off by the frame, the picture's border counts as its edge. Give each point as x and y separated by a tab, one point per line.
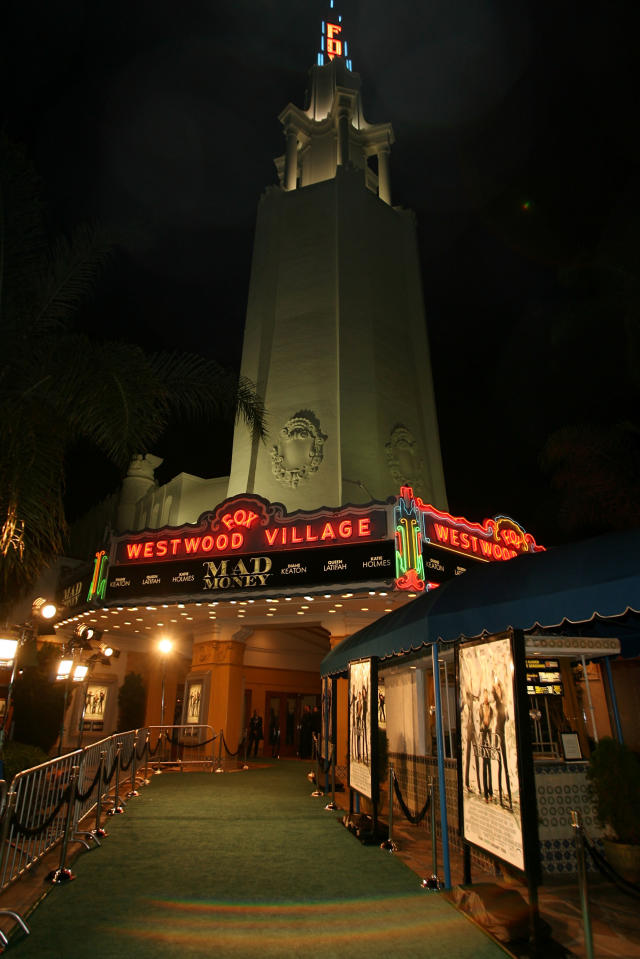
343	135
291	160
221	655
384	179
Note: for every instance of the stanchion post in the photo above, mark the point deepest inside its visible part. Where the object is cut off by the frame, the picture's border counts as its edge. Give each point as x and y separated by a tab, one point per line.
432	882
317	791
220	769
118	806
147	752
582	882
389	843
63	872
133	792
332	804
98	829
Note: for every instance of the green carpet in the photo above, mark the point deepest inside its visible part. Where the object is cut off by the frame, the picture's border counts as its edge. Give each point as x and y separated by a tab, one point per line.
243	864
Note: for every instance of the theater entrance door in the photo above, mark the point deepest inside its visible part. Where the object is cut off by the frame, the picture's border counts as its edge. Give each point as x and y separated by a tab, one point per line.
283	722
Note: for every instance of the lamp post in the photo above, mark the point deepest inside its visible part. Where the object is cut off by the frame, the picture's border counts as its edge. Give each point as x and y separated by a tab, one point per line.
165	646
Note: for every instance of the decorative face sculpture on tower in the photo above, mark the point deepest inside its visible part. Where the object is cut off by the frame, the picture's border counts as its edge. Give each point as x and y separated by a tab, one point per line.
403	458
299	449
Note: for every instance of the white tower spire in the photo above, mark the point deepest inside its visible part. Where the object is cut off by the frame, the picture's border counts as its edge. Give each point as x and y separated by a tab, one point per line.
335	335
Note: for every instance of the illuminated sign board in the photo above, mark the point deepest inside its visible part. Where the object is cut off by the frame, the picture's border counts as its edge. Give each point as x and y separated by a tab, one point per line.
332	42
247	543
543	677
250	524
418	524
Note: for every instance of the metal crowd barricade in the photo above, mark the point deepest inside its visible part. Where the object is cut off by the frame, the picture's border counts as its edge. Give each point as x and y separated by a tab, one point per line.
36	814
178	747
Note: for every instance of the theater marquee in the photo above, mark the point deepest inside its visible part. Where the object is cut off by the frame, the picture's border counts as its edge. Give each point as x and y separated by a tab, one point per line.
247	543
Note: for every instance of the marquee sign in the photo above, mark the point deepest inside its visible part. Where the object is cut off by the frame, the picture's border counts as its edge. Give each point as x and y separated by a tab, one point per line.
247	543
420	526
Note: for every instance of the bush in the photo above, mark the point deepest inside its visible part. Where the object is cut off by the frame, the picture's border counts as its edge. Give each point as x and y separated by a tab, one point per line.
38	701
614	773
19	756
132	698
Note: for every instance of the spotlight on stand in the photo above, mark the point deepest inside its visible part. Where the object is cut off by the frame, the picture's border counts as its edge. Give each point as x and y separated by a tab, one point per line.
8	649
44	608
83	636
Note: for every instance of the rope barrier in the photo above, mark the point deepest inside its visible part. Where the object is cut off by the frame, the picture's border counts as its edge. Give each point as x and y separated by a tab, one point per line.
178	742
140	756
124	766
604	866
227	750
153	751
414	818
107	777
83	796
25	830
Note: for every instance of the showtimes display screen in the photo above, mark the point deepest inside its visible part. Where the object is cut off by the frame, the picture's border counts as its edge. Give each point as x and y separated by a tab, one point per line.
543	677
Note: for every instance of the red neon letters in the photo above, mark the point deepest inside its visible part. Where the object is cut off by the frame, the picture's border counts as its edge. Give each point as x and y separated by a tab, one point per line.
241	532
334	46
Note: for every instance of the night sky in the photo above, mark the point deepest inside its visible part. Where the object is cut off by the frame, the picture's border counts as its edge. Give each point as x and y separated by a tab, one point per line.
515	129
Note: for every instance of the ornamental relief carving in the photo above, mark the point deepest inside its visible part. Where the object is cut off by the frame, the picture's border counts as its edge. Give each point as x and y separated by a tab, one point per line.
404	460
298	451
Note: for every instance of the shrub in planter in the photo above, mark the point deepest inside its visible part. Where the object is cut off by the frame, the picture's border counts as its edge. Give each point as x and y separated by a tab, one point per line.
19	756
614	773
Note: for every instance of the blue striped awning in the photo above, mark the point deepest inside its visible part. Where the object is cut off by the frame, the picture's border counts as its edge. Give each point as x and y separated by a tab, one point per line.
586	588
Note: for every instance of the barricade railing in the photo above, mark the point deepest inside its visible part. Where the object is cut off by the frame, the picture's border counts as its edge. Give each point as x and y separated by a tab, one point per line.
49	805
177	747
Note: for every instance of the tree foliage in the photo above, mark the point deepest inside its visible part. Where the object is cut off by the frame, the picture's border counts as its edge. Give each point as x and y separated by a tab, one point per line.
132	697
59	385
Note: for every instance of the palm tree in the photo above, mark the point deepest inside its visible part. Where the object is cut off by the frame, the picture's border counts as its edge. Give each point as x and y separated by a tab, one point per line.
59	386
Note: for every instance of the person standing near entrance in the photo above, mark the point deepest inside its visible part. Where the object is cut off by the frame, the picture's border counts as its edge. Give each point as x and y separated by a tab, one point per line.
255	733
274	735
305	733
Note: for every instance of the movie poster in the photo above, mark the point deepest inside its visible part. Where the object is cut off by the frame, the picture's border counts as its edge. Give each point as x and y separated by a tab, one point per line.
491	806
194	703
360	717
95	704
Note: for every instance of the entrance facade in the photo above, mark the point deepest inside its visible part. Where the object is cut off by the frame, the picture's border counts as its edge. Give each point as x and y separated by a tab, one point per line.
287	732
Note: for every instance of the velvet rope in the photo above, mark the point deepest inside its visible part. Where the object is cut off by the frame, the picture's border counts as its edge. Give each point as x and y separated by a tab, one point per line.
140	756
607	870
85	795
177	742
107	777
24	830
228	751
124	766
152	752
414	818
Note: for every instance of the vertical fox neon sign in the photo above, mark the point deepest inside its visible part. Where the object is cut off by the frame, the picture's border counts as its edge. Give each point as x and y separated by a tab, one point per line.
332	42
